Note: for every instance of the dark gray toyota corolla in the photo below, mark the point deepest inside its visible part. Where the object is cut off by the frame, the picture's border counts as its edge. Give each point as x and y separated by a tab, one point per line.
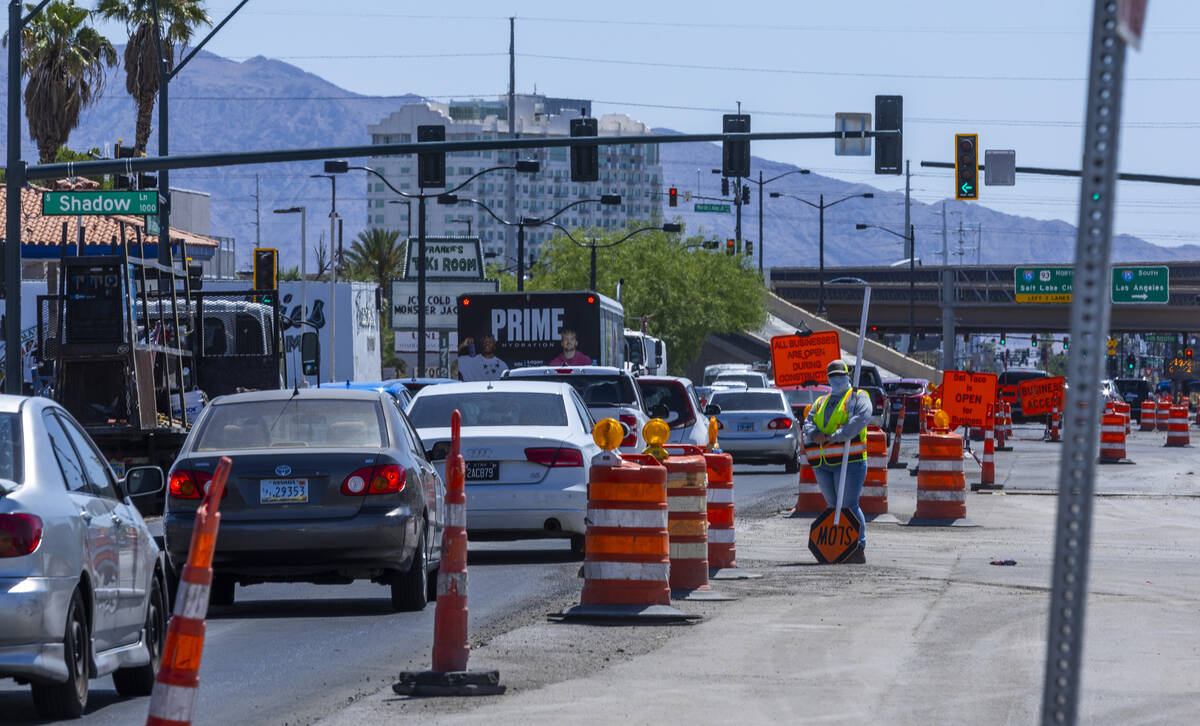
327	486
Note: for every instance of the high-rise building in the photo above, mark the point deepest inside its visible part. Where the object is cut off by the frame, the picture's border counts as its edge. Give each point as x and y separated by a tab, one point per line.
631	170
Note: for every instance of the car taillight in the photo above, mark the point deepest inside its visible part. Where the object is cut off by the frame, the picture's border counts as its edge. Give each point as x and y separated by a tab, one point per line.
190	484
19	534
547	456
382	479
780	423
631	422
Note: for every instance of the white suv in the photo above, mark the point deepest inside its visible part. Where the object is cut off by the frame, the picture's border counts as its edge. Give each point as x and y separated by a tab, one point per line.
609	392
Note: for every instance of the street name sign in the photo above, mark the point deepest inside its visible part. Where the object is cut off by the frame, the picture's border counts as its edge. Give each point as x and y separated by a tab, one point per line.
62	204
1043	284
446	258
1040	396
712	208
800	360
831	543
1141	284
966	397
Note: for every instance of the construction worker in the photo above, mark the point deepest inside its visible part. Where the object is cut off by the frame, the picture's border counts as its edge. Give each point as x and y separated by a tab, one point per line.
837	417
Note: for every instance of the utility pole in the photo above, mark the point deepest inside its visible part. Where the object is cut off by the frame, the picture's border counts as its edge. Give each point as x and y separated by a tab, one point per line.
737	202
511	177
948	341
257	215
908	208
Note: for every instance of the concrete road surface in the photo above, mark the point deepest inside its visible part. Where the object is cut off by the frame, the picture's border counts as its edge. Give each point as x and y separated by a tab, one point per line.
927	632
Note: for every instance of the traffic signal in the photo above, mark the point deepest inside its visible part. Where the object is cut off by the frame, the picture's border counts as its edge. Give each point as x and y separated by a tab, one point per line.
724	187
889	149
730	247
746	194
1033	340
966	166
672	197
1066	343
147	181
749	248
266	268
585	160
1003	339
124	181
124	152
431	165
735	152
1187	353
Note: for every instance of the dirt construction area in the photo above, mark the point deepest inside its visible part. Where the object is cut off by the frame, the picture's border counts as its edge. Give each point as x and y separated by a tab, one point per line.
929	631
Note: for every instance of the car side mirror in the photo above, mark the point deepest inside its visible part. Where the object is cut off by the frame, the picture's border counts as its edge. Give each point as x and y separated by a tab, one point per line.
660	410
143	480
712	409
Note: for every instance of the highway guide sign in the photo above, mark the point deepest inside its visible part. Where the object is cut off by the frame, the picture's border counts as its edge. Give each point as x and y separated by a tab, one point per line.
800	360
831	543
967	396
1141	284
1043	284
99	203
1041	395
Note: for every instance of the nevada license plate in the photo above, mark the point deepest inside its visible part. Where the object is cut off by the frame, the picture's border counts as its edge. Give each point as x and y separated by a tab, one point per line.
746	426
483	470
282	491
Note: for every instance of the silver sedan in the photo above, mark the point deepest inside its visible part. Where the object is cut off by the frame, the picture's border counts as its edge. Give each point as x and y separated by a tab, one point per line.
82	583
756	426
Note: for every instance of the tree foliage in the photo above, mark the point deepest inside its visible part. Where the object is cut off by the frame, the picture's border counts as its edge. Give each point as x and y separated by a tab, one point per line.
684	291
64	60
179	19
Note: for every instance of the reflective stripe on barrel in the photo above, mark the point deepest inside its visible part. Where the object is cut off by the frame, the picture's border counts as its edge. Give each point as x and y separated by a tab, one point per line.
941	486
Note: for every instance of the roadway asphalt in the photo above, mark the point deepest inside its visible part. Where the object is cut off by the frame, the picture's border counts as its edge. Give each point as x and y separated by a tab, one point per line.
290	653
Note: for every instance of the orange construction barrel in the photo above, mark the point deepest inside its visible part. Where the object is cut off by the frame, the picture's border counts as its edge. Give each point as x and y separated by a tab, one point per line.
941	486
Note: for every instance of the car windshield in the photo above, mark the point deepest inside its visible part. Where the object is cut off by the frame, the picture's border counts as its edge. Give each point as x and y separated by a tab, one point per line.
803	397
749	401
868	377
752	380
909	389
596	391
11	463
293	423
489	408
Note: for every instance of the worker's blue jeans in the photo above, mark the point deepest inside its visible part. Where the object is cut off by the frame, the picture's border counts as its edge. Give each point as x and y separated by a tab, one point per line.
856	475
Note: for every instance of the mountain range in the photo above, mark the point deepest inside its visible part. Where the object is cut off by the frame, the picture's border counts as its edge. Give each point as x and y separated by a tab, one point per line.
219	105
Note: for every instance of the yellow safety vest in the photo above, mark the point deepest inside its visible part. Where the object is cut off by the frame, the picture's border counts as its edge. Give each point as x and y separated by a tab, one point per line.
831	454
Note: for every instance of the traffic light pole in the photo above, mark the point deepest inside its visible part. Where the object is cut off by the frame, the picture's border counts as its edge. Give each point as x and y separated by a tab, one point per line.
737	201
760	222
420	365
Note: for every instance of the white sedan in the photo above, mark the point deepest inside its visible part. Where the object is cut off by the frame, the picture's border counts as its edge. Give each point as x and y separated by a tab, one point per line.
527	446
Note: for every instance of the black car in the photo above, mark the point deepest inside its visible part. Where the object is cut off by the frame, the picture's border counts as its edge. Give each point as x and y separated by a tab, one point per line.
1133	391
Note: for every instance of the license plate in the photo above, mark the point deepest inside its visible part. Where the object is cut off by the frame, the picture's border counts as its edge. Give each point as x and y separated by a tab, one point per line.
483	470
746	426
282	491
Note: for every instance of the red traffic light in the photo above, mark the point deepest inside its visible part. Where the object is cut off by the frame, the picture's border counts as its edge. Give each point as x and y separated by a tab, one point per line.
673	197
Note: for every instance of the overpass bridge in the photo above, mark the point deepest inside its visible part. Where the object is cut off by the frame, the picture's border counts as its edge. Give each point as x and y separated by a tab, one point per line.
984	300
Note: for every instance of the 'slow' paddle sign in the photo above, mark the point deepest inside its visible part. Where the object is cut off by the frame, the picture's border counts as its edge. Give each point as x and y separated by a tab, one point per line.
832	543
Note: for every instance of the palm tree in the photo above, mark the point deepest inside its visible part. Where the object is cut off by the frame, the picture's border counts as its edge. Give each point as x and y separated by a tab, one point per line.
180	18
64	60
378	255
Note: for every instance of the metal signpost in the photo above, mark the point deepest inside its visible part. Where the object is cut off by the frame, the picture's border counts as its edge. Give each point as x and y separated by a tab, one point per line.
1141	284
1089	327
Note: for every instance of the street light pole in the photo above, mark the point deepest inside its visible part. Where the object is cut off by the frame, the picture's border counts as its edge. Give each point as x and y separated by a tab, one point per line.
910	241
521	255
821	256
592	278
760	222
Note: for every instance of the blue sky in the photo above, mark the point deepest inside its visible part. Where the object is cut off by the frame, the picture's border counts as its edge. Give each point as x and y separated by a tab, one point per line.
1011	71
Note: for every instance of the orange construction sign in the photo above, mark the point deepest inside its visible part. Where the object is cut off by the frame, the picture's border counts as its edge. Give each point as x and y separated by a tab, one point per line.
966	397
831	543
801	360
1041	395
